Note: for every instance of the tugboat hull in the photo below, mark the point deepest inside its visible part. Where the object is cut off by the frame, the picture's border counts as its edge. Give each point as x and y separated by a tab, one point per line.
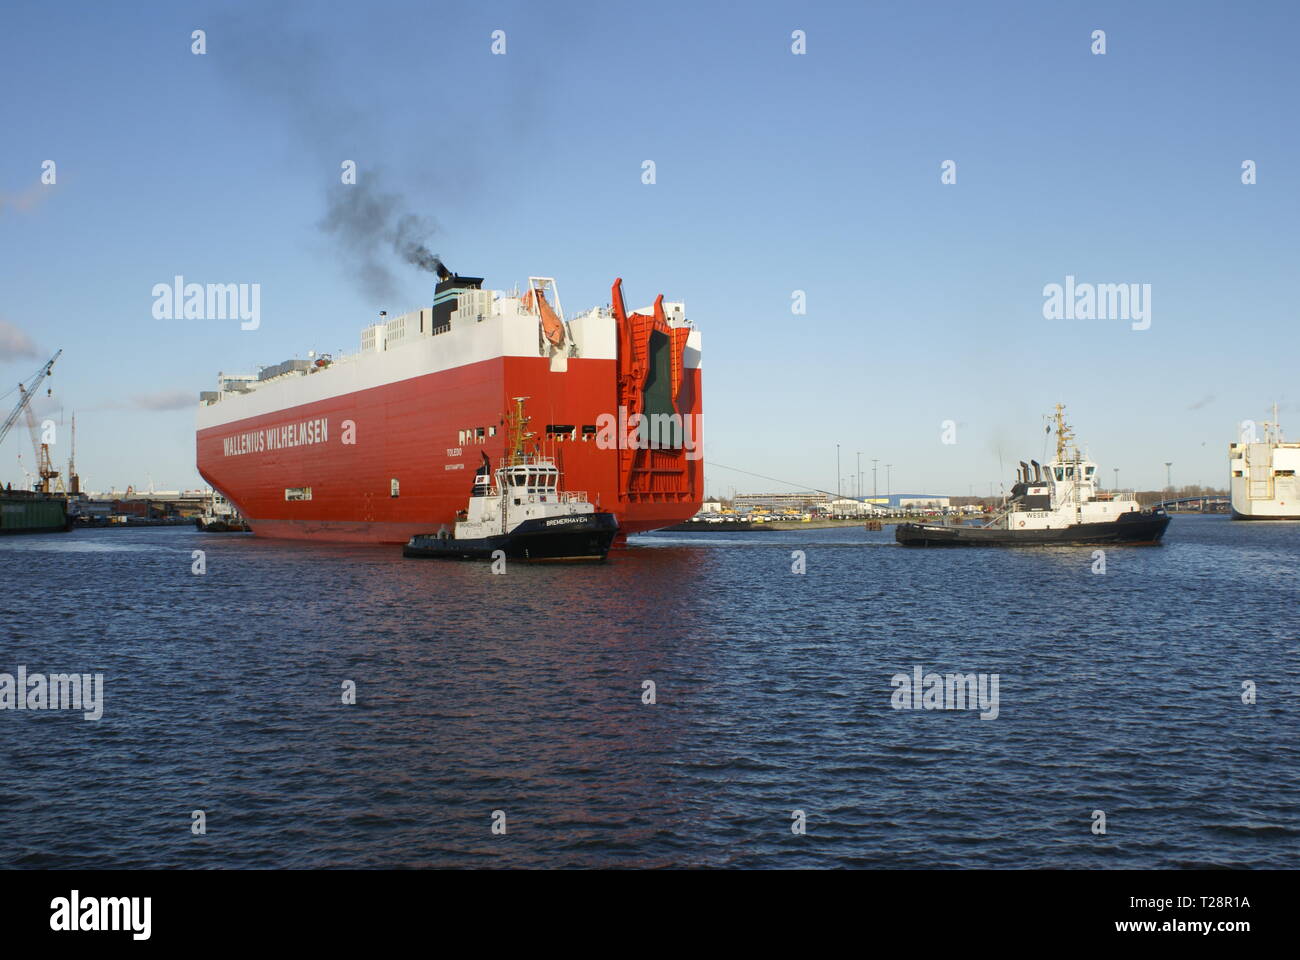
220	525
1130	528
583	537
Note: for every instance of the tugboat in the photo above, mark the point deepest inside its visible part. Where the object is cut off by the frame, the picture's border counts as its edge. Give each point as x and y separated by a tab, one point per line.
220	517
1056	505
524	514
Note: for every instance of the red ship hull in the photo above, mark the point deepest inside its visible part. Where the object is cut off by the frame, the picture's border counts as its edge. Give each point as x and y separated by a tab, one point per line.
385	463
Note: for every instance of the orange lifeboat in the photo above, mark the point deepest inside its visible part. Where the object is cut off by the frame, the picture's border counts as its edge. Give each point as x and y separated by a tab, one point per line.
535	302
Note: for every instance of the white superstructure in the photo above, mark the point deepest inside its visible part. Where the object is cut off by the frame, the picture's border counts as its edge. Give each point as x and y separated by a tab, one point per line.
526	489
465	325
1064	493
1262	474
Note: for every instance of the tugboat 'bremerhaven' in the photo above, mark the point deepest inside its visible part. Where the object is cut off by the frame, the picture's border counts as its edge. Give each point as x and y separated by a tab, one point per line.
525	515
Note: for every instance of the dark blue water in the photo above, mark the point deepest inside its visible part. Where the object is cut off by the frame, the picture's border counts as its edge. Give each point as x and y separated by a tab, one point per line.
523	693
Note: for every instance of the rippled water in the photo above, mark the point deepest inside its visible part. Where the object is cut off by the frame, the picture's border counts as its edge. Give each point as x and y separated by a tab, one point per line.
523	693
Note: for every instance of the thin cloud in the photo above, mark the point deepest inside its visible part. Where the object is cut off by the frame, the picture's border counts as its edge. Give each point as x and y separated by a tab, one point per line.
165	400
1208	398
14	344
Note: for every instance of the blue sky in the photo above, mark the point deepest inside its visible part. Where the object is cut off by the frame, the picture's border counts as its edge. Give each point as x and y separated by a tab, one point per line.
775	173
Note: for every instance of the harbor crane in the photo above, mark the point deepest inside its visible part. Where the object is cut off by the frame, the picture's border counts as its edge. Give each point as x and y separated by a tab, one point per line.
25	393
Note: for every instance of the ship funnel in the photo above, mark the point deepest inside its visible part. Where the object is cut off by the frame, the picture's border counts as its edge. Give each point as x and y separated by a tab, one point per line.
1038	471
1024	471
441	268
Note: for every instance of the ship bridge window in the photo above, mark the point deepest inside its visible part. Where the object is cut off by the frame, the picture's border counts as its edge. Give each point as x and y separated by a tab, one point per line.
1060	473
1090	470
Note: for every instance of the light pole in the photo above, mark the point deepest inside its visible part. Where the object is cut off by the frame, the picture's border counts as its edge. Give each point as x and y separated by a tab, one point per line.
887	475
840	492
1169	483
1117	479
874	488
857	486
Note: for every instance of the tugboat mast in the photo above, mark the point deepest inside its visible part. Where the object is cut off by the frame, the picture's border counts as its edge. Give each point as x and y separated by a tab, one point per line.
517	434
1064	435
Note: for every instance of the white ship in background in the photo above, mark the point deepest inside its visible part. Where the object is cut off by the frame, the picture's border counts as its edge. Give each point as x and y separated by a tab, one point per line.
1261	475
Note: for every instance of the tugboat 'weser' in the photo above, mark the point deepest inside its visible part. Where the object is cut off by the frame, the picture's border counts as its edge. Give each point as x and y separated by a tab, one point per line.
1059	504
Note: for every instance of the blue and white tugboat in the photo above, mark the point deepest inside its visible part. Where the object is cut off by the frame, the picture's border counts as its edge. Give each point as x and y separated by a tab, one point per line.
524	514
1056	504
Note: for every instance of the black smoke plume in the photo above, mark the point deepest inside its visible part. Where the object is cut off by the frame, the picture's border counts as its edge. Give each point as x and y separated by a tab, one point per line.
371	224
277	60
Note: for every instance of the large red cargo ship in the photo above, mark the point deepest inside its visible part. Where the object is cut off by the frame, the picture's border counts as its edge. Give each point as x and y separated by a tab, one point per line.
383	444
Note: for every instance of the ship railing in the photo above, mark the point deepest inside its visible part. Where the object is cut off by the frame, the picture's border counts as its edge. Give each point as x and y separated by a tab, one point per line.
1001	516
528	460
1115	495
573	496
